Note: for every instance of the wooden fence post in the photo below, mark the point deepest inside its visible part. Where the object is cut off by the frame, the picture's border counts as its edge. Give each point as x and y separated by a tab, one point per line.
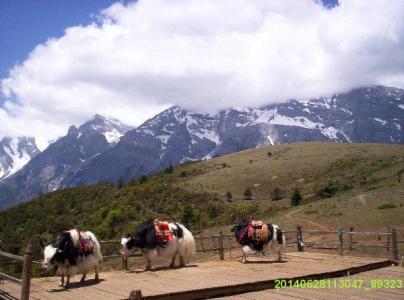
221	249
341	240
203	246
27	272
388	239
299	238
394	244
350	238
135	295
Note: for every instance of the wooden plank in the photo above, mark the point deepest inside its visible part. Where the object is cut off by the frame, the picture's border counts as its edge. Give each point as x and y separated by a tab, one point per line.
259	285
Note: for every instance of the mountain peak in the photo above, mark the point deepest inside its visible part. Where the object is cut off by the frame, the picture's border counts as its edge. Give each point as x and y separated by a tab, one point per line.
111	128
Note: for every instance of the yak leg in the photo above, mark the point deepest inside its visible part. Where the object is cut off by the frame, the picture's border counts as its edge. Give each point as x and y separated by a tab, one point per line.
62	280
146	255
83	278
172	265
182	261
148	265
67	285
279	256
96	273
245	250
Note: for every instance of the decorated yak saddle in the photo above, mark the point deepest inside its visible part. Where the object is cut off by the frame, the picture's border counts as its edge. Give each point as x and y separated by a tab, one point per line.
164	234
85	244
258	231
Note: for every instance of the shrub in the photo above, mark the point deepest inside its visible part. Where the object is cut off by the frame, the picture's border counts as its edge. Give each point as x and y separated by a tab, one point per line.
276	194
183	173
296	197
247	194
387	206
399	174
239	211
329	190
269	154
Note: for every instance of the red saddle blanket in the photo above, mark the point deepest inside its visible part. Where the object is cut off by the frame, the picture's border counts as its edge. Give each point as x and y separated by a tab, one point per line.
257	230
86	243
163	232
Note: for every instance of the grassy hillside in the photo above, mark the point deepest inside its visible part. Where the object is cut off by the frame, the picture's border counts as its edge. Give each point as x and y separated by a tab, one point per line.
340	183
362	178
307	165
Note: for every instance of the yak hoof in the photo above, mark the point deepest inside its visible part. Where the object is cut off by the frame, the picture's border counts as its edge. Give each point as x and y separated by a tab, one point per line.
96	278
60	284
171	266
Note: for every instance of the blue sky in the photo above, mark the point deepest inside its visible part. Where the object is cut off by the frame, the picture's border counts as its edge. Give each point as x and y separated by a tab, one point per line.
26	23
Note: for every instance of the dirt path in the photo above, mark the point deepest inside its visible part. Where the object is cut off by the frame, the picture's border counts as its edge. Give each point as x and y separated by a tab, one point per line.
320	226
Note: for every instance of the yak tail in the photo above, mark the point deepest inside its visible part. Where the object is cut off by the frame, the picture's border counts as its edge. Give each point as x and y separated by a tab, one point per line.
97	248
280	237
187	244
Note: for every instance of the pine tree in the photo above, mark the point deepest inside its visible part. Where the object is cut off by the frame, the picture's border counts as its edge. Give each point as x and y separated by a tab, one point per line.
276	194
120	183
296	197
247	194
187	215
143	179
169	169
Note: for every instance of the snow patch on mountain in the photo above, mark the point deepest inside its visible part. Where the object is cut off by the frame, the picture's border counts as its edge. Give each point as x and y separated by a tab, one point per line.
381	121
15	153
208	134
113	136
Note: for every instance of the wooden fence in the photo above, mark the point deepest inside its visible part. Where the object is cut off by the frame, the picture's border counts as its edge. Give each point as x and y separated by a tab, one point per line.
26	261
222	242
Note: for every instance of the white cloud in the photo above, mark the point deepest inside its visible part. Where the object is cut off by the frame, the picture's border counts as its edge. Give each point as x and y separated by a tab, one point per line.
203	55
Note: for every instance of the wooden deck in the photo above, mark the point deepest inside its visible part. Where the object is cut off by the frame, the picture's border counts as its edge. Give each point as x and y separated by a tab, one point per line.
365	292
211	278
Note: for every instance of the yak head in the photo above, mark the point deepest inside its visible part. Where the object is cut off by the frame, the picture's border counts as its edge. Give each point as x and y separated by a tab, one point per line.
50	256
128	243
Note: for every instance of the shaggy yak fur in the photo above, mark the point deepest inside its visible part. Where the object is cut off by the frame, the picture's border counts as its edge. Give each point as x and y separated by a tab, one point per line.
270	238
75	252
181	243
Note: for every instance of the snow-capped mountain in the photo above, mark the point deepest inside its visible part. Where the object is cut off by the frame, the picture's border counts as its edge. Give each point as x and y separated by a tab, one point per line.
15	153
372	114
47	170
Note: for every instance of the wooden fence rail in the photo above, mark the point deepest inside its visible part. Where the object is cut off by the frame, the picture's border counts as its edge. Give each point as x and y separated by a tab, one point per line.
26	273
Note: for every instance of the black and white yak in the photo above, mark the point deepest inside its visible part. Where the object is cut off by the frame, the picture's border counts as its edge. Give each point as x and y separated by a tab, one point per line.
258	236
75	252
160	239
